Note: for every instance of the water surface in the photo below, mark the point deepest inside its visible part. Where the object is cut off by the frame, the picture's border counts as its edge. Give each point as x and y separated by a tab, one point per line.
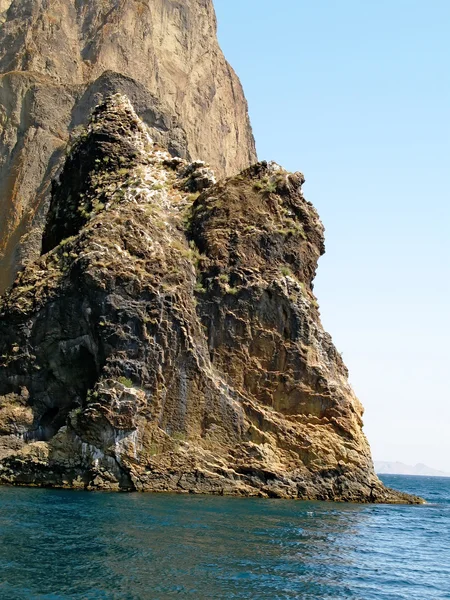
61	544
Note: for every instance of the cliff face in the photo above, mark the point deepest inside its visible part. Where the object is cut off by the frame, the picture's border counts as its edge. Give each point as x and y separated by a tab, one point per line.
59	58
168	339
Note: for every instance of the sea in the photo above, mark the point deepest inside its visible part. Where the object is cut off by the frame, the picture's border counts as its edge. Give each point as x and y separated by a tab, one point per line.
62	544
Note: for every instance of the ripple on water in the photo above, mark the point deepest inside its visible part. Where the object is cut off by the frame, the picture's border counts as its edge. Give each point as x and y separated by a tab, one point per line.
58	544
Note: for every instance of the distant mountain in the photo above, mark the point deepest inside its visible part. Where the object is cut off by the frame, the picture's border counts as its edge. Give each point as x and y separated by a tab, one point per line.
398	468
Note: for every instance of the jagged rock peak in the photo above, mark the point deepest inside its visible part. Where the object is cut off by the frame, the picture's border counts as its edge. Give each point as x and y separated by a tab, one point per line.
59	58
172	341
113	158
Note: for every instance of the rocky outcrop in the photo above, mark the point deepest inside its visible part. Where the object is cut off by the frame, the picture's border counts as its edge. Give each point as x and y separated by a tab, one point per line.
168	339
59	58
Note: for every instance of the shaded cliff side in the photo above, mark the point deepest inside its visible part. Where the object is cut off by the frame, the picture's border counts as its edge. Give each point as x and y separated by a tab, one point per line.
168	339
59	58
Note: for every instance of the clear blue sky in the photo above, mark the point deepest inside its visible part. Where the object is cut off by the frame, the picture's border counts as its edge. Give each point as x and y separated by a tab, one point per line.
356	95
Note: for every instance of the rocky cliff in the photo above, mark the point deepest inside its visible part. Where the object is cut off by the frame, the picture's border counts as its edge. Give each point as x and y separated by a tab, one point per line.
59	58
168	339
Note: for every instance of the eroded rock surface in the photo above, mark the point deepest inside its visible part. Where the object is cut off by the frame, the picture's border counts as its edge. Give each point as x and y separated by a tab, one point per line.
59	58
168	339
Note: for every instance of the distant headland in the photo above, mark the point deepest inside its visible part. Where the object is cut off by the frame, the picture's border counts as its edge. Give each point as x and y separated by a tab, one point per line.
398	468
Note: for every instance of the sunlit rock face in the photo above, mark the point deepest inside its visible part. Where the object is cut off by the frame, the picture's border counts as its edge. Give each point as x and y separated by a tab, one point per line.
168	338
59	58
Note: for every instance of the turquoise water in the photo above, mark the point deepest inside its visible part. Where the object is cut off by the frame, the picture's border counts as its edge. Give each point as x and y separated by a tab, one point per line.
57	544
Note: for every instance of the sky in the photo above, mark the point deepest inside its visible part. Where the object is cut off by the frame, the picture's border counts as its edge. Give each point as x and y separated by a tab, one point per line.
356	95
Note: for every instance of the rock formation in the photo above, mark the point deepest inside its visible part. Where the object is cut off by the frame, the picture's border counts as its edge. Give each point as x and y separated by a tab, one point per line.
168	338
59	58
